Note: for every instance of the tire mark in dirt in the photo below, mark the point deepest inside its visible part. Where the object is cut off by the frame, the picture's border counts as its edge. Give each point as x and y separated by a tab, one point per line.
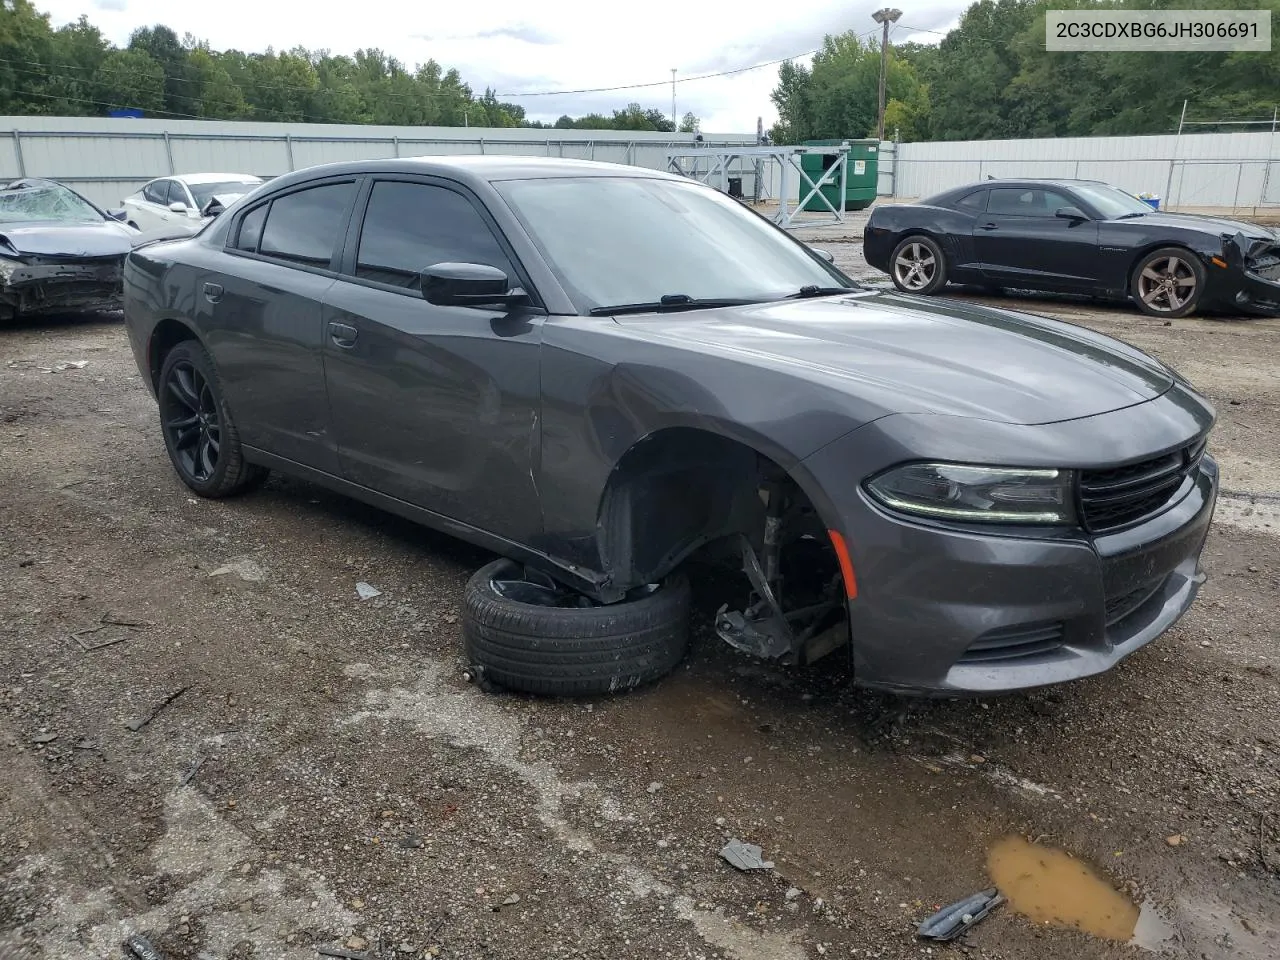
467	721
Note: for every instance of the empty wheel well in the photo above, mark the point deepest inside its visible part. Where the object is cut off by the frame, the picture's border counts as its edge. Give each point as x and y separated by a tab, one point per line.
681	489
167	335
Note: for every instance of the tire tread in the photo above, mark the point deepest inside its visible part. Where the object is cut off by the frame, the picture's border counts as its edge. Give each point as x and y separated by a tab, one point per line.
574	651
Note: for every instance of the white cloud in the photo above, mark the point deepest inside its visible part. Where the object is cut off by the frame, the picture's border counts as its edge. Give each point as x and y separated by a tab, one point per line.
570	45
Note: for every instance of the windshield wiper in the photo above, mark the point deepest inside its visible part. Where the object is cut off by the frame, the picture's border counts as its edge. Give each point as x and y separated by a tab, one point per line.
1130	216
669	304
813	290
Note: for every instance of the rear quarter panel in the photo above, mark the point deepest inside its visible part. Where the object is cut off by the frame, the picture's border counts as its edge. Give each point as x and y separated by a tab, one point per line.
156	287
891	223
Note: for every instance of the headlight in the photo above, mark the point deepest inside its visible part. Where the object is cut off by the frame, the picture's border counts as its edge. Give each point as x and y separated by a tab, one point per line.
952	491
7	268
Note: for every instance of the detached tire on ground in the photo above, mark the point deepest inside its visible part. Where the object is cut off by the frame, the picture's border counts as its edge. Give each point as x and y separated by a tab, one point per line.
516	638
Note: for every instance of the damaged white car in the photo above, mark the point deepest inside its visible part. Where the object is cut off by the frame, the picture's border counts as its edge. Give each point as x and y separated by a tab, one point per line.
184	203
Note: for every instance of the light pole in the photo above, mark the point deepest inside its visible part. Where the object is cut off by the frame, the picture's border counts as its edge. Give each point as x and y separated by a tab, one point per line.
884	17
674	126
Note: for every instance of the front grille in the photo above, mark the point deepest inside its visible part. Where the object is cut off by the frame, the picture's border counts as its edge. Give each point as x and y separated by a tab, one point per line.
1123	495
1011	643
1120	607
1268	267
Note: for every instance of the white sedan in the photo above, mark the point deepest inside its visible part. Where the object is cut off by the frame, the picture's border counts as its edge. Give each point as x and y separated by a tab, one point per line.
182	201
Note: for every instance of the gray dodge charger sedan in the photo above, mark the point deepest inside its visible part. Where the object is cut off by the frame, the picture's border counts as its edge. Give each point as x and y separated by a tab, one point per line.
608	375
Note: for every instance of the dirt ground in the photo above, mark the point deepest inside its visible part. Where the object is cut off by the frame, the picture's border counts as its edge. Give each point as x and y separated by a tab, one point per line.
324	777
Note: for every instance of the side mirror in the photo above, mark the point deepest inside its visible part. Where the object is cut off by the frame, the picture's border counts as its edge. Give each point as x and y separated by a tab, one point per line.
212	208
178	206
468	285
1070	213
122	214
824	254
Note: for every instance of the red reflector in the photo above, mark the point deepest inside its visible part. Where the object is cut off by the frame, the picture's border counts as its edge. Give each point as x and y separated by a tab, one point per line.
846	565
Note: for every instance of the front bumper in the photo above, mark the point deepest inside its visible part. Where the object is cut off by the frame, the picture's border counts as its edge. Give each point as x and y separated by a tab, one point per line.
1001	614
951	612
1253	293
42	288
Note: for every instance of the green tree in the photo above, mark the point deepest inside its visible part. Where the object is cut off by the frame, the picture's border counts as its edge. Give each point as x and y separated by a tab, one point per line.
838	96
181	87
76	51
131	78
25	48
217	95
792	97
689	123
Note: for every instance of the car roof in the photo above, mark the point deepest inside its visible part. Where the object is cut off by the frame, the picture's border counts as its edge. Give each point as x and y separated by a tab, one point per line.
1024	183
213	177
478	169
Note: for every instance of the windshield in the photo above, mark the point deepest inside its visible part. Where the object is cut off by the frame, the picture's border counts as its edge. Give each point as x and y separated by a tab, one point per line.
45	201
204	192
627	240
1111	202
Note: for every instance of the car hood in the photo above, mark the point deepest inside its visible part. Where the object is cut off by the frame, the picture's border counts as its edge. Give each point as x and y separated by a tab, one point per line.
1218	226
44	239
907	355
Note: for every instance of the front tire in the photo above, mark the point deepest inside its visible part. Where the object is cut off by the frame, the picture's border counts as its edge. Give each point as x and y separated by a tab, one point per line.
199	434
918	266
524	633
1168	283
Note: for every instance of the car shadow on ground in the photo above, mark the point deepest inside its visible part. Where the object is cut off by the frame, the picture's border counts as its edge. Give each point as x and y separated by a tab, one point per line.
52	324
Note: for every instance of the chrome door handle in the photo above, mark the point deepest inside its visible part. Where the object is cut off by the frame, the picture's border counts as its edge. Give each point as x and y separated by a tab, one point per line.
213	292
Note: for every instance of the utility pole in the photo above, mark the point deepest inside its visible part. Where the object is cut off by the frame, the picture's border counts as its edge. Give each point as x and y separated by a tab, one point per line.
674	126
884	17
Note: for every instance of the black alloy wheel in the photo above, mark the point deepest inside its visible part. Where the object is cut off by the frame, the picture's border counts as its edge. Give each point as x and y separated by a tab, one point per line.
199	434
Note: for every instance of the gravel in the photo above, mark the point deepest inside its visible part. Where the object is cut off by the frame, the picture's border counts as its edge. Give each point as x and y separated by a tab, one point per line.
347	786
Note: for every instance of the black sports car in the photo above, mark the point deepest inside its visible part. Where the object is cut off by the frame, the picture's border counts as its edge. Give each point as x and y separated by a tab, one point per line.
58	250
1075	236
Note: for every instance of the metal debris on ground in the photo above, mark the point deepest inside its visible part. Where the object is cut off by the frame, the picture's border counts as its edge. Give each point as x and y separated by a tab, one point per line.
142	948
136	725
192	771
745	856
950	922
105	621
366	591
346	954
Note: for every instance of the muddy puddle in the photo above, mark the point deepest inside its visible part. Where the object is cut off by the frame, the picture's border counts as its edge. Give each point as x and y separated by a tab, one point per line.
1050	886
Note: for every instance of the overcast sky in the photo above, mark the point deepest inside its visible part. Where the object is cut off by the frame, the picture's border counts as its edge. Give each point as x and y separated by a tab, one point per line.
520	47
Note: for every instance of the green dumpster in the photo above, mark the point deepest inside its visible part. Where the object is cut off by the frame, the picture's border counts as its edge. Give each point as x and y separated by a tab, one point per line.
862	175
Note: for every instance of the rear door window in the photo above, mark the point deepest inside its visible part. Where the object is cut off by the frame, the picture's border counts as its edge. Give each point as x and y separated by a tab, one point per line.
305	227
